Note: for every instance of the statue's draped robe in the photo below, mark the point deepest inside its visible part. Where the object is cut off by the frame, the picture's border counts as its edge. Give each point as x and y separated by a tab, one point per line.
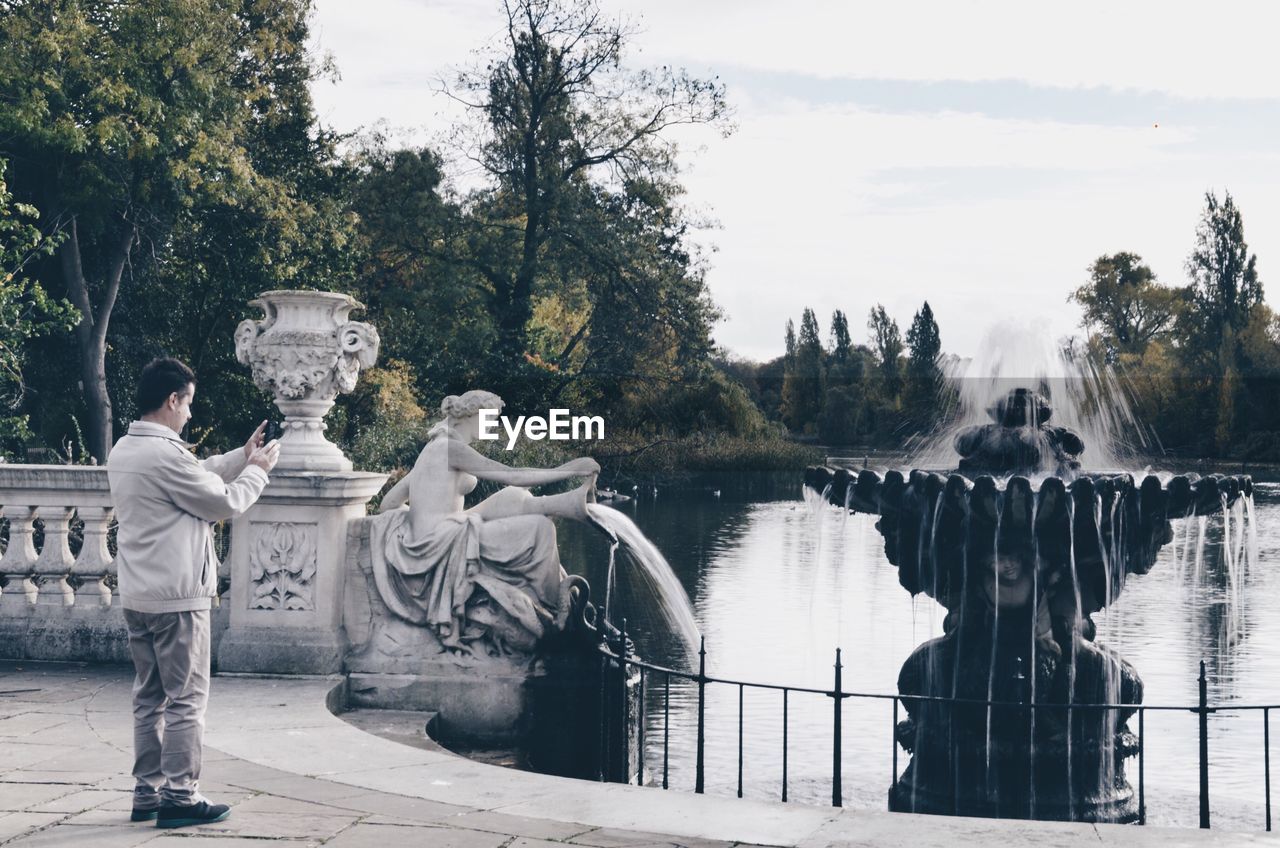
429	581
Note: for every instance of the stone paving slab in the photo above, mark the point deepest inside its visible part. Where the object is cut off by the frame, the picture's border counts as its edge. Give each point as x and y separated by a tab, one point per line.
16	797
506	823
74	836
267	825
195	839
402	808
298	776
382	835
17	824
66	778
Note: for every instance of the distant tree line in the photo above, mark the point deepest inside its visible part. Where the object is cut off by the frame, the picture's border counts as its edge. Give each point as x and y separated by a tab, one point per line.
841	393
1201	360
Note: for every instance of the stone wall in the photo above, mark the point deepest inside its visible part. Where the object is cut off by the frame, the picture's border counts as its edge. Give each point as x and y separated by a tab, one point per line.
58	596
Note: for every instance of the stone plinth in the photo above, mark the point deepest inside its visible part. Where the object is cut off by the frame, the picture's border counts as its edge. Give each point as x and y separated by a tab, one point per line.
287	556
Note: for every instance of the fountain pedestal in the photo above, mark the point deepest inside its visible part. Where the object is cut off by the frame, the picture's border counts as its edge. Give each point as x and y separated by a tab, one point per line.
1016	711
1029	757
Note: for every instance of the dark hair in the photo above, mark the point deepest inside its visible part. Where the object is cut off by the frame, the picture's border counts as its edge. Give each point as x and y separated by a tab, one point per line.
161	378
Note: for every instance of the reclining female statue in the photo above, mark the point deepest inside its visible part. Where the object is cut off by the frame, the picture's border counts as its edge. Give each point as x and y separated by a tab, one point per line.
490	573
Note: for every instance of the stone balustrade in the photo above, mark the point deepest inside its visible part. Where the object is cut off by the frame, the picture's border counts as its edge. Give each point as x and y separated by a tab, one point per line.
58	599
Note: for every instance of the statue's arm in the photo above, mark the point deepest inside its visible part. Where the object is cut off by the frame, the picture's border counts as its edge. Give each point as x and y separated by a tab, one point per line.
397	497
463	457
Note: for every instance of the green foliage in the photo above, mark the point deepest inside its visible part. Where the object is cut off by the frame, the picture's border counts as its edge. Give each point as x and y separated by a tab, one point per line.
841	341
627	453
717	404
1224	279
1201	363
567	277
26	309
382	425
1123	305
581	204
924	380
177	145
803	381
842	396
886	341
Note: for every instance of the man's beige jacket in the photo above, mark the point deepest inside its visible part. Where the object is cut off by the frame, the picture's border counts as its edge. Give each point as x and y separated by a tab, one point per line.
165	502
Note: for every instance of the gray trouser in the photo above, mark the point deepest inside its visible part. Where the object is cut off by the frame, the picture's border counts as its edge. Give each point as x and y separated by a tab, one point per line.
170	653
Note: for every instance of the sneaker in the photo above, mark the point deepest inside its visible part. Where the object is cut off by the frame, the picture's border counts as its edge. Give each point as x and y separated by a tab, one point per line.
202	812
139	815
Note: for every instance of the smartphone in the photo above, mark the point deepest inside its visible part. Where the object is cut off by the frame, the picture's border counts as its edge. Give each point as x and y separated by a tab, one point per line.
273	431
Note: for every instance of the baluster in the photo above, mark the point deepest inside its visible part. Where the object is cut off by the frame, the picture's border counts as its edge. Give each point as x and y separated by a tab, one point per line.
94	564
19	558
220	532
53	566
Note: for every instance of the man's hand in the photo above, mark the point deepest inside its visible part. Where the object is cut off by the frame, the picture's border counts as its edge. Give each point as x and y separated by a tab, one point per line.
255	441
266	455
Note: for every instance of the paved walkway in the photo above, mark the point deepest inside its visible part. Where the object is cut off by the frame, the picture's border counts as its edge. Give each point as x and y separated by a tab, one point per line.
296	774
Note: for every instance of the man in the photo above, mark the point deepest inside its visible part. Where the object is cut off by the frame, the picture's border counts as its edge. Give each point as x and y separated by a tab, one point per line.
165	501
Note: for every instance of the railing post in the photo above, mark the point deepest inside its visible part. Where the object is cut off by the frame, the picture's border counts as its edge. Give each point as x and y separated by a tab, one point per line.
740	691
624	697
640	722
893	741
1266	759
785	694
1142	766
666	729
602	757
1204	748
838	698
699	778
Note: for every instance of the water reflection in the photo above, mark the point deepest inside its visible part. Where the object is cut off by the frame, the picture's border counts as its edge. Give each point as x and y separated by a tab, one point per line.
774	599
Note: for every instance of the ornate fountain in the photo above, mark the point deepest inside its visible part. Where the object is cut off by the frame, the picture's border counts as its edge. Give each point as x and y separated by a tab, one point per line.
1021	548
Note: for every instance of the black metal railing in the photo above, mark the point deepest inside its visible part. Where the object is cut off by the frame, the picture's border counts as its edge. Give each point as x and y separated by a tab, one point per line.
616	652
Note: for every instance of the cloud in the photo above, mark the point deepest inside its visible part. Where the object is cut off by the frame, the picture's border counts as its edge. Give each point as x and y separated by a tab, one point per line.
1179	47
975	155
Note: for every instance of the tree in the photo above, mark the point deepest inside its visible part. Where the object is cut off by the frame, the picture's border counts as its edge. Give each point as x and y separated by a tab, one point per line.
1225	291
122	118
841	343
803	385
1124	306
1224	276
572	143
26	310
924	377
433	313
886	341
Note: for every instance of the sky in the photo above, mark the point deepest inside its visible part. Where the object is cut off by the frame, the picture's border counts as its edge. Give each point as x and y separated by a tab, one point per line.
977	155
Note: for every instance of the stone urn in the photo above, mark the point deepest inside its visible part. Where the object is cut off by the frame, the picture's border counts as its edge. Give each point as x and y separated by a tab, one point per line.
304	350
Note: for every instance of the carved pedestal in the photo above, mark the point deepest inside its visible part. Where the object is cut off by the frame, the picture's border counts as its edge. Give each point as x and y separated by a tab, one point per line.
286	559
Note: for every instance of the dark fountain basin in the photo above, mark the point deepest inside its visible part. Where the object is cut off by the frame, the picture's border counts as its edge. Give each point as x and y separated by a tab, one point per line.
1005	712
